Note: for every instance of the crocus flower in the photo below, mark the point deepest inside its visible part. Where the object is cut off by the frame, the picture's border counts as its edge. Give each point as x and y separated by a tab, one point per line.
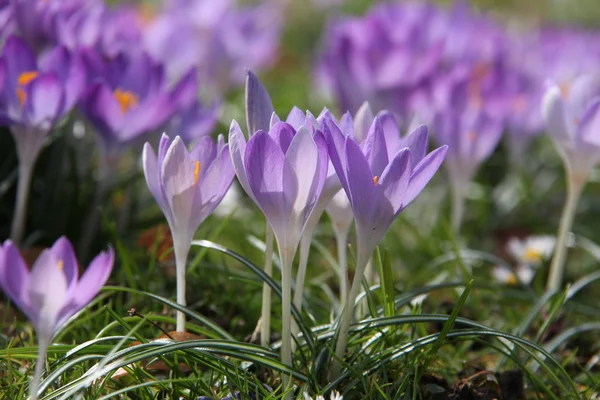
284	170
187	186
259	111
220	39
128	99
378	189
34	97
572	116
471	135
51	292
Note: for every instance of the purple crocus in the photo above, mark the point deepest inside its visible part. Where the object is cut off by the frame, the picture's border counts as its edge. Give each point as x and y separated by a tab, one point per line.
471	135
35	96
220	39
572	116
187	186
284	171
129	98
379	188
51	292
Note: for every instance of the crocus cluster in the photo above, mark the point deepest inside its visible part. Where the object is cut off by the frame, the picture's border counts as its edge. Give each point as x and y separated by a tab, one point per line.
420	61
130	72
293	170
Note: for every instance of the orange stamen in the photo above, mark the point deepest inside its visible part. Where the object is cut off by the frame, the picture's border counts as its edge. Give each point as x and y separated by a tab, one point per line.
61	264
197	173
126	99
376	180
23	80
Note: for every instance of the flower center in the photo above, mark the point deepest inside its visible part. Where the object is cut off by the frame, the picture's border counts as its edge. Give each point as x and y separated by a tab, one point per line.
126	99
61	264
376	180
511	279
532	255
23	80
196	173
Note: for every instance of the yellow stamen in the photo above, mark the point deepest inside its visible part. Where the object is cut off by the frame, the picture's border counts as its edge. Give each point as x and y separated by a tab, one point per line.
61	264
512	279
197	173
23	80
126	99
376	180
532	255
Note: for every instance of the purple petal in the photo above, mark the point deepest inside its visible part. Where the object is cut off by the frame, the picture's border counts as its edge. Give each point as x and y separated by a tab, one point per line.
375	149
237	151
589	127
337	151
362	121
179	187
423	173
47	292
258	105
103	111
264	162
151	173
44	102
360	180
553	111
417	141
301	181
282	133
63	251
296	118
394	180
94	277
14	279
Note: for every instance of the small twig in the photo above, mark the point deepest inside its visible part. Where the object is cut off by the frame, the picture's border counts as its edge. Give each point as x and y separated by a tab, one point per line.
133	313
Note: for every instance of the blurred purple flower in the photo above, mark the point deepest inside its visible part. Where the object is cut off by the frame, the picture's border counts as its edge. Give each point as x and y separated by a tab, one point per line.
34	97
572	116
220	40
35	21
130	97
95	25
51	292
187	186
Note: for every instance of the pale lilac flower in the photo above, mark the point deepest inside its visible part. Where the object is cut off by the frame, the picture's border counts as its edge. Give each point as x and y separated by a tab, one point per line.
572	116
51	292
187	186
378	189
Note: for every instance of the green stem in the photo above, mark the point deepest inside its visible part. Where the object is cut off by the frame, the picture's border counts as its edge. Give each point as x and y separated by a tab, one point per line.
348	311
575	185
265	324
181	254
286	256
20	216
342	241
39	367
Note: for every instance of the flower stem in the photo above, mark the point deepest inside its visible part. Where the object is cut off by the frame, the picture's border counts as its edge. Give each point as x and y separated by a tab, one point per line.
301	275
287	256
265	324
575	185
29	143
20	217
458	192
348	311
342	240
181	254
39	367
